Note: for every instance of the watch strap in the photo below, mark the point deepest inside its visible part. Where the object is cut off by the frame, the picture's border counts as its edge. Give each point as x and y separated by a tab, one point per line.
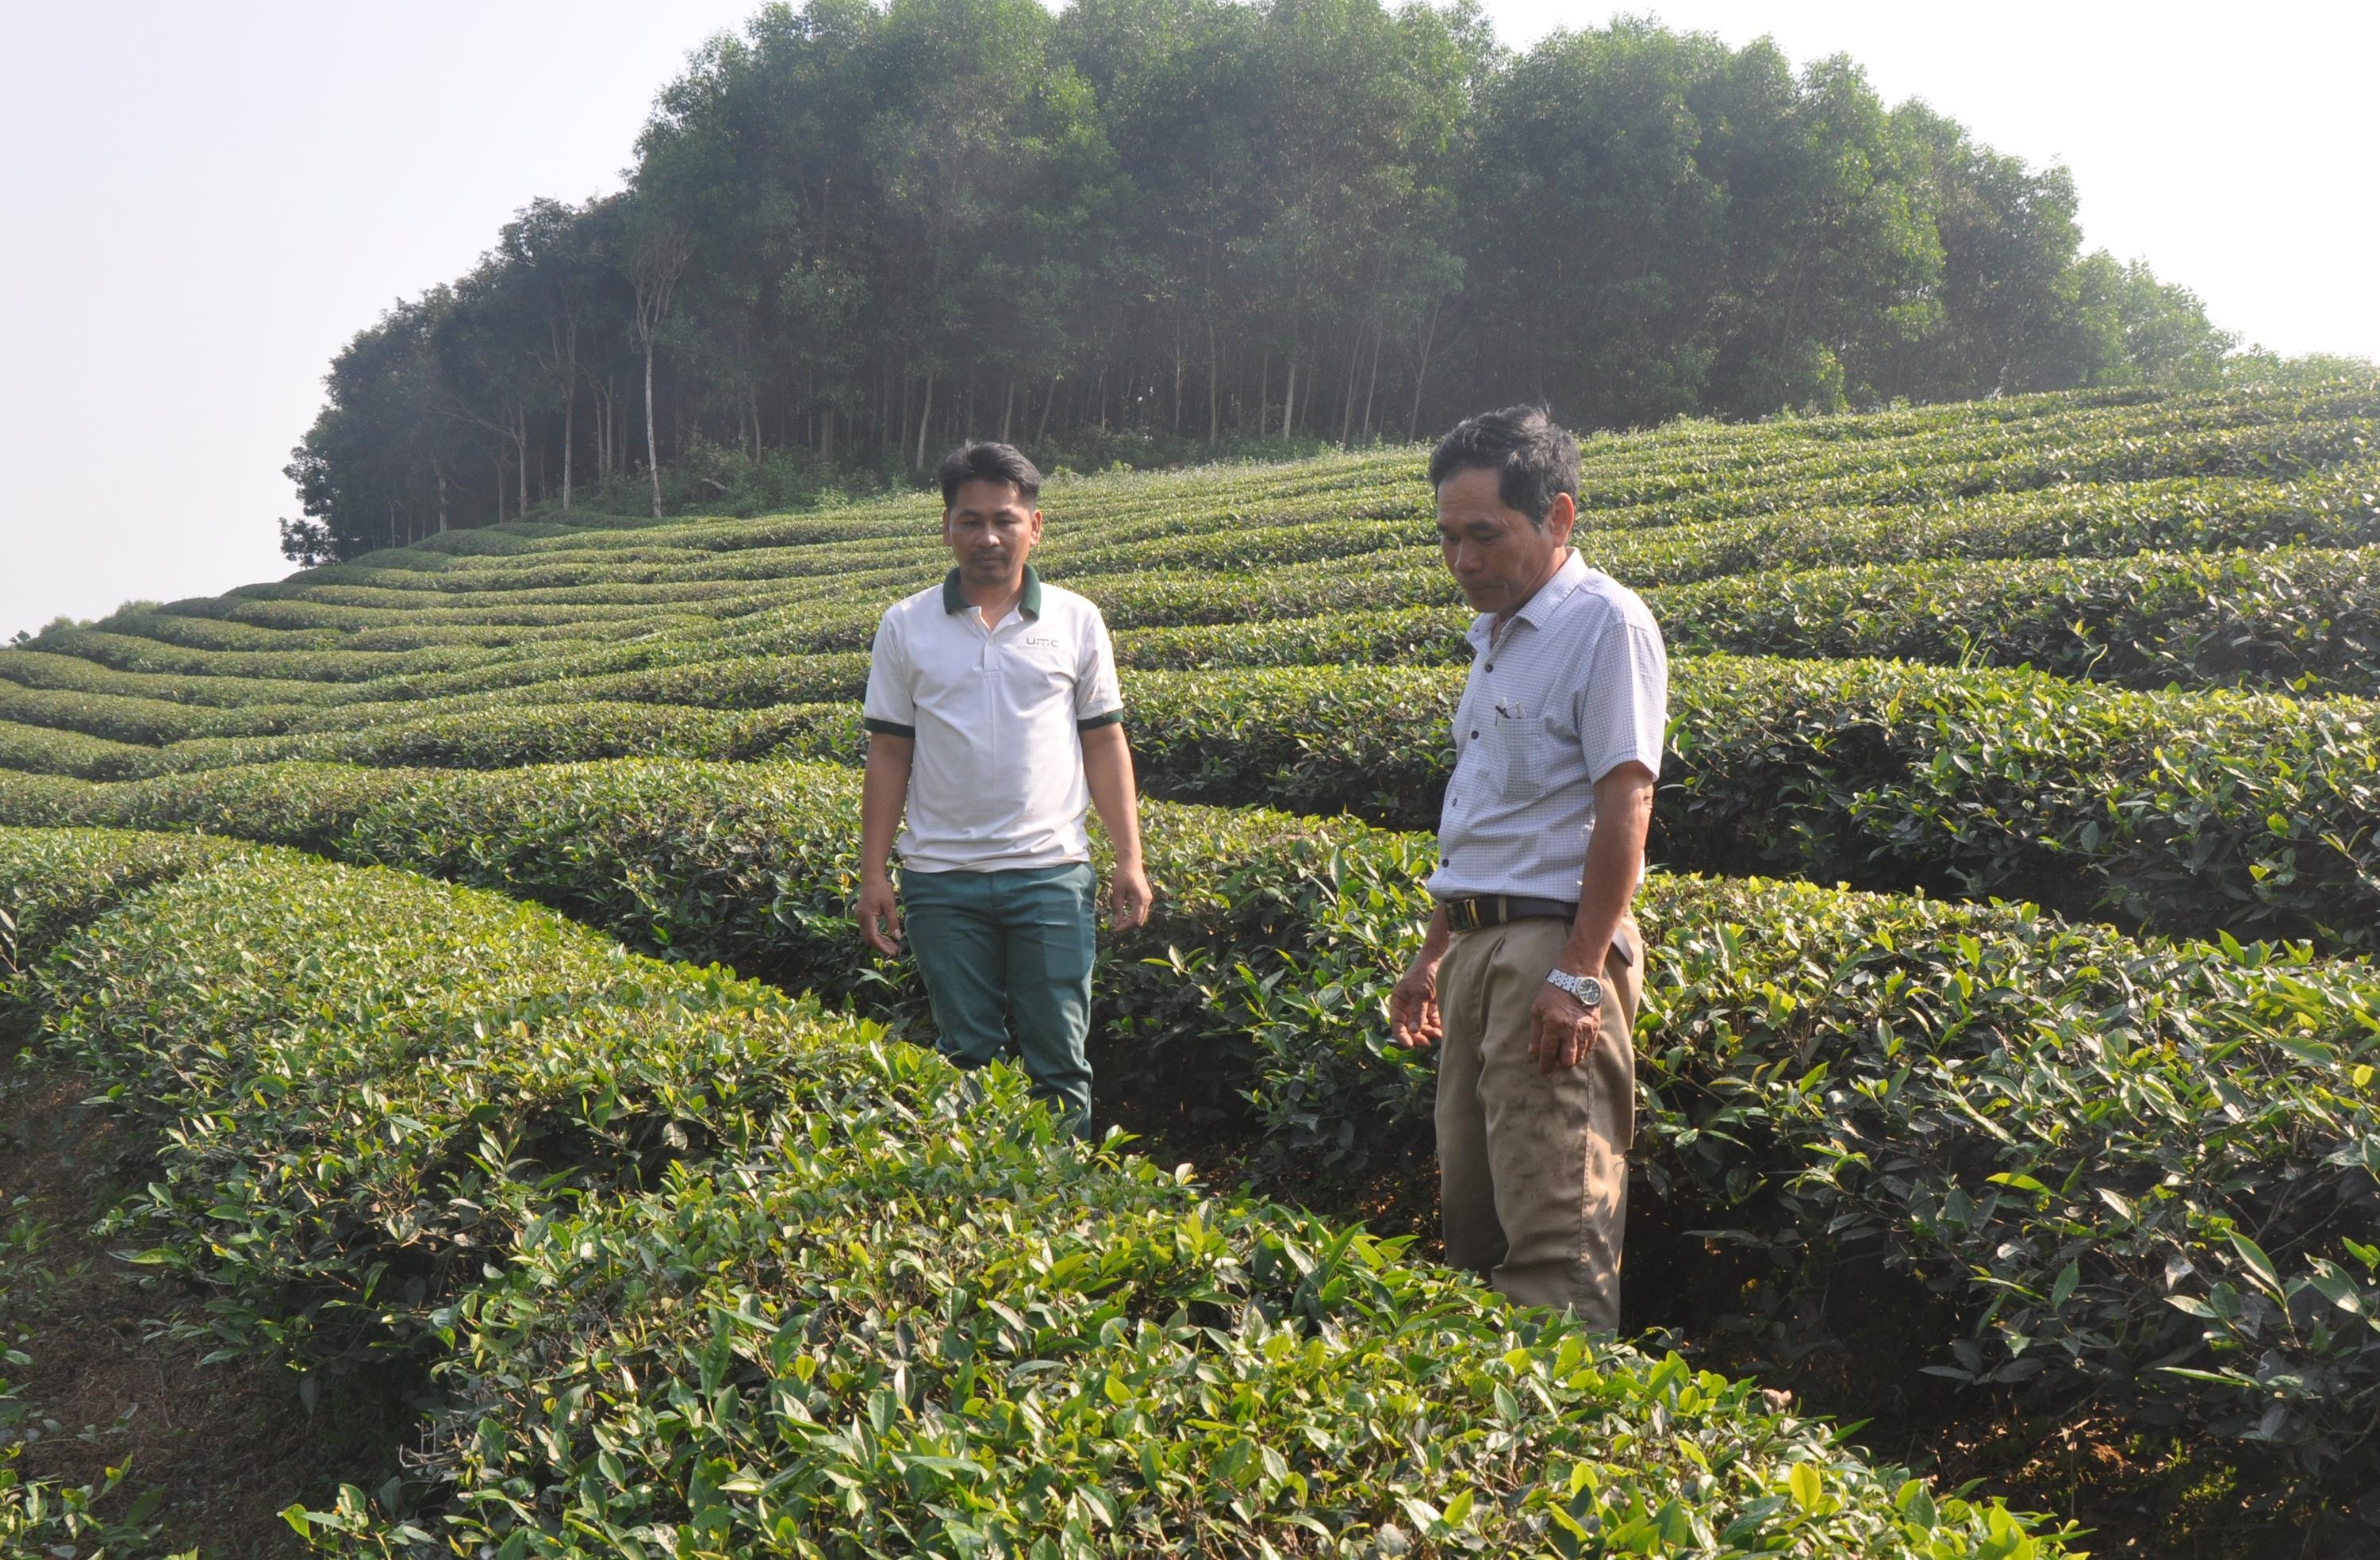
1587	988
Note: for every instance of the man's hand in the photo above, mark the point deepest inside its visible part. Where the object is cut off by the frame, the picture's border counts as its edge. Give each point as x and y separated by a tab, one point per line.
1562	1028
1413	1006
882	793
1129	897
880	914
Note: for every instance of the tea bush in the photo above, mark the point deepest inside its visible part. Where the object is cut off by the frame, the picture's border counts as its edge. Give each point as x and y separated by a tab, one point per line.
342	1065
1225	553
2059	1130
1893	1055
2130	1177
2189	814
400	1114
2186	812
52	881
2298	620
910	1331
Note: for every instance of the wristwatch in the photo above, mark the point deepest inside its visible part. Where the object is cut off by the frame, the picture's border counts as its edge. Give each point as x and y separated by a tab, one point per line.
1587	988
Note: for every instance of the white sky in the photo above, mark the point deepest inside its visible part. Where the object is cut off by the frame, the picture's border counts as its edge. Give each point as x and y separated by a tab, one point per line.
202	204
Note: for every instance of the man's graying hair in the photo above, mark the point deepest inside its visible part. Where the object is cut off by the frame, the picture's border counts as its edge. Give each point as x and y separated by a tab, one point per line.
997	463
1532	457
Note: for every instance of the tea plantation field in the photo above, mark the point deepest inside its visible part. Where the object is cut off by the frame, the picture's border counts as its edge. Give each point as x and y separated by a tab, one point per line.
462	933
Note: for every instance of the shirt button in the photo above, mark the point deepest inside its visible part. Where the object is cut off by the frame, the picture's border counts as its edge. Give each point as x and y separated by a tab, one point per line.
1491	666
1475	737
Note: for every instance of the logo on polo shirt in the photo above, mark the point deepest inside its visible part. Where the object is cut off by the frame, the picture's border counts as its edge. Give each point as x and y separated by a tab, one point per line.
1050	639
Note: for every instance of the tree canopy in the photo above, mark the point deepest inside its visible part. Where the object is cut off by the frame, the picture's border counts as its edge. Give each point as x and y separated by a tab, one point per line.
858	232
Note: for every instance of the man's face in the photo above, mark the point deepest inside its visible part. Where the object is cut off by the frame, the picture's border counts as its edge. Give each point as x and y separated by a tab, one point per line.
990	529
1496	553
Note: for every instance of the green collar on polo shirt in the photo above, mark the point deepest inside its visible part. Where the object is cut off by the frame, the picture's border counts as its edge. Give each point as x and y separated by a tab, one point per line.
955	599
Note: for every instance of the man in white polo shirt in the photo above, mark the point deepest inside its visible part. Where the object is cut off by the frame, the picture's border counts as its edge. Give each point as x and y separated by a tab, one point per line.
1531	968
993	715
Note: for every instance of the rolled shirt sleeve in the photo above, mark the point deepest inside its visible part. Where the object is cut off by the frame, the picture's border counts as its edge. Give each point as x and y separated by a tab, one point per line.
1622	704
890	706
1099	696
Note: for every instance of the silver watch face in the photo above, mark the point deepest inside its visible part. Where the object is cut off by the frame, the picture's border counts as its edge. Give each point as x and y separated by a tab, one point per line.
1587	988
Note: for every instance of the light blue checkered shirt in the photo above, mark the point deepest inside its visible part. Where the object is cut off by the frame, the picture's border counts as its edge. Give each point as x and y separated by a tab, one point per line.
1577	684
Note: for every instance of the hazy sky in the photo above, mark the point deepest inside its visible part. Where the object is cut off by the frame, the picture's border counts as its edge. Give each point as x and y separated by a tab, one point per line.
202	204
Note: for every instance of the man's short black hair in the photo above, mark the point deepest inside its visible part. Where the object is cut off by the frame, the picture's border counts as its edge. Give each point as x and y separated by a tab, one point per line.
999	463
1533	457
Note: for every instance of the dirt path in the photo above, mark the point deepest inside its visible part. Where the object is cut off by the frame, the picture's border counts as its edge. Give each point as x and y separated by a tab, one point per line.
115	1375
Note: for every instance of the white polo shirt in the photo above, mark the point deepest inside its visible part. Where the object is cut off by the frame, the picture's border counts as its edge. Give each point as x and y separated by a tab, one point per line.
1577	684
998	716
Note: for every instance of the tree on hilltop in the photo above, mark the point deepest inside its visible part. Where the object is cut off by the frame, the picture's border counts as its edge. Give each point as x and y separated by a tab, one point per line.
855	232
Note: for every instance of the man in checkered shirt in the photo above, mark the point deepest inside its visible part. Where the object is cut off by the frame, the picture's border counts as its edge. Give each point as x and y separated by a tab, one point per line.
1530	972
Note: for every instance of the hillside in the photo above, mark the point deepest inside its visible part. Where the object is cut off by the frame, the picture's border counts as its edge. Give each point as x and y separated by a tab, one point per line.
2007	1070
817	274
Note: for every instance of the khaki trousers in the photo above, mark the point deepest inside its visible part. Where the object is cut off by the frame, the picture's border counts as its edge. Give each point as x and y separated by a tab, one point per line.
1534	1169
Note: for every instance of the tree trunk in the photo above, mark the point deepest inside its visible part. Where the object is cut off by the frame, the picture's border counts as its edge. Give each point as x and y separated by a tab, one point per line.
1413	423
569	428
606	457
521	442
652	454
925	422
441	471
1214	388
1373	389
1008	408
1264	392
1042	432
900	434
826	435
1289	397
1347	403
499	485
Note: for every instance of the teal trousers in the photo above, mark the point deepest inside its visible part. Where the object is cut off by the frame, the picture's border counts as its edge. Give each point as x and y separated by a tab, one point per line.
1006	959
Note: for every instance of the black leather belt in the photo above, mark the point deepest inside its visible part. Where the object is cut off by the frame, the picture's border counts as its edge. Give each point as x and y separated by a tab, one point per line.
1495	910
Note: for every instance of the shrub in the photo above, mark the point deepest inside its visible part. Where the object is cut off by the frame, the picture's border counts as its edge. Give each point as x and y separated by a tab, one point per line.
909	1332
52	881
1038	1337
2058	1130
2190	813
2298	619
346	1068
1867	1077
2185	812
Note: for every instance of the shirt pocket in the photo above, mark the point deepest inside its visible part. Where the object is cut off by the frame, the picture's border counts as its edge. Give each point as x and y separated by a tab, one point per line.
1538	755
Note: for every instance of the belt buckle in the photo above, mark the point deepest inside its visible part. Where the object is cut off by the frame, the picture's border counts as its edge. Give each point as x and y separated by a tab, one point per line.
1464	915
